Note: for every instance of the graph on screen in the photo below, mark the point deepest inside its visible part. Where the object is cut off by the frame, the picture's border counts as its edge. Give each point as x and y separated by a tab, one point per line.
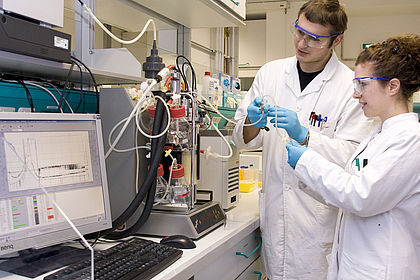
47	158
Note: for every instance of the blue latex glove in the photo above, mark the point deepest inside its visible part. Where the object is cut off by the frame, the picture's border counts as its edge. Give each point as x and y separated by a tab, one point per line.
288	120
254	113
295	151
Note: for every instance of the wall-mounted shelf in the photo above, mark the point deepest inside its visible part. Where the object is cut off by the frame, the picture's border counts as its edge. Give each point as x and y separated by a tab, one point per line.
200	13
33	67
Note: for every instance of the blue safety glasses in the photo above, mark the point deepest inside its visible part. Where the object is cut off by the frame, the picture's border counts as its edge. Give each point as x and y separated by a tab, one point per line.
311	39
360	83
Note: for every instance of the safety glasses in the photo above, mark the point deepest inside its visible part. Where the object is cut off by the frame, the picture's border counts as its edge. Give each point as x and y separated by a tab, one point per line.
360	84
311	39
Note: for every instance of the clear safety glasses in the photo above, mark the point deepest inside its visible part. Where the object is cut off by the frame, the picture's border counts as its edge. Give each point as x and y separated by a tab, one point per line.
360	84
311	39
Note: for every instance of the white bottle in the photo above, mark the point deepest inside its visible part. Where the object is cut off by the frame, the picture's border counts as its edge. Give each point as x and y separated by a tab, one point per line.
251	174
210	89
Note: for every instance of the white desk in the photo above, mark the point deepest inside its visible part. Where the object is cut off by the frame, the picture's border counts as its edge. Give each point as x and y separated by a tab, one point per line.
218	248
215	256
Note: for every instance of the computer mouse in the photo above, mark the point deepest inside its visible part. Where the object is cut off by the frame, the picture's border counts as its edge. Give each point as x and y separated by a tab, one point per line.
178	241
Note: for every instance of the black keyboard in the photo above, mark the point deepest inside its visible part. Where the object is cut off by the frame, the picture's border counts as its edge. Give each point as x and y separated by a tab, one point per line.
135	258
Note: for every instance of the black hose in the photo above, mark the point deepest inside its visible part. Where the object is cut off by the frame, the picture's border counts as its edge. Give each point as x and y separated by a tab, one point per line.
149	185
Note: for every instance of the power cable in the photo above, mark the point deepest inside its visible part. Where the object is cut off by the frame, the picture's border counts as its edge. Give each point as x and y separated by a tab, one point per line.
28	95
93	80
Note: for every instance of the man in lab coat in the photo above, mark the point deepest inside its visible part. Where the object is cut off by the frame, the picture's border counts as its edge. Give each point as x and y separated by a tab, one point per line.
314	91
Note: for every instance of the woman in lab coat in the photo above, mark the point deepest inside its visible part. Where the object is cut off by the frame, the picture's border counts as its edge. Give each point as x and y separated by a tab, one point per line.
378	193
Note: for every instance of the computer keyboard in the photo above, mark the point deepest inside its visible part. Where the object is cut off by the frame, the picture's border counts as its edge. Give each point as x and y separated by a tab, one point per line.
135	258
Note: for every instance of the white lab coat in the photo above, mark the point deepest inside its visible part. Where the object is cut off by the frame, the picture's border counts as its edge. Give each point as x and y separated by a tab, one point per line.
378	228
297	230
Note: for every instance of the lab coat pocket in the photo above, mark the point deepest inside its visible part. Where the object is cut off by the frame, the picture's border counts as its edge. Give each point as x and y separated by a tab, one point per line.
359	267
326	217
262	210
325	128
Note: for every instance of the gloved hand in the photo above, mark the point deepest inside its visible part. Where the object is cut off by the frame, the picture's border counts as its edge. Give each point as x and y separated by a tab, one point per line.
288	120
254	113
295	151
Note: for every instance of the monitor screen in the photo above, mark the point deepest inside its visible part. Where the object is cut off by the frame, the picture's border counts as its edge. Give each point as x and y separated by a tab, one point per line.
64	154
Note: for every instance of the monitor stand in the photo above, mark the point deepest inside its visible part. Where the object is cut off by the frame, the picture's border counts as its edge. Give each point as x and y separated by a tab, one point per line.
34	262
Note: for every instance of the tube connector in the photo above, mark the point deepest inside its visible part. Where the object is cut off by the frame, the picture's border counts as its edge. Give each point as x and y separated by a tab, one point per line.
153	64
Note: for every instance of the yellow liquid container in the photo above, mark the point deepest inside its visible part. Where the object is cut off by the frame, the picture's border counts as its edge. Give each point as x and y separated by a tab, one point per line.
246	186
243	170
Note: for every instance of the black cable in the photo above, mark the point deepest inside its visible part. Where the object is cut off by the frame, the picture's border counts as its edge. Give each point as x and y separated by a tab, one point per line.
182	73
193	76
8	78
28	95
60	104
93	80
82	95
58	92
91	244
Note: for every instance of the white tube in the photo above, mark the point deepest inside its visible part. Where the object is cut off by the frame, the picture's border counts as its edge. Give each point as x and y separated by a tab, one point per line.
133	112
232	121
47	91
59	93
224	140
115	37
167	126
122	150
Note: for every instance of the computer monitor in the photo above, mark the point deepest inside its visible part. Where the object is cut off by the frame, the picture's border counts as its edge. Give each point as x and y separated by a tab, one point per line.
63	153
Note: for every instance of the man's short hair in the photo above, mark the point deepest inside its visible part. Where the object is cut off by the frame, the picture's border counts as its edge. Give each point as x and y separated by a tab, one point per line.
329	13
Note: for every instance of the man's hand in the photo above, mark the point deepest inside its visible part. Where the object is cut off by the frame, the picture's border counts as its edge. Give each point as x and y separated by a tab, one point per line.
288	120
255	114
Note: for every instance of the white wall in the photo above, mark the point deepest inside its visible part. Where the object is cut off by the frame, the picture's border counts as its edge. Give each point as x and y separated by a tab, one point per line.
252	47
202	61
373	29
261	41
371	24
252	44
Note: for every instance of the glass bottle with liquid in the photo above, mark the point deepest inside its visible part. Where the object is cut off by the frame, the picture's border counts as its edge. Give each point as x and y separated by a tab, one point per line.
179	129
180	190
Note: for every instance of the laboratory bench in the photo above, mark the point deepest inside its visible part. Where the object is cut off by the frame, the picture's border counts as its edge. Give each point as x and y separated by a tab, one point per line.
229	252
